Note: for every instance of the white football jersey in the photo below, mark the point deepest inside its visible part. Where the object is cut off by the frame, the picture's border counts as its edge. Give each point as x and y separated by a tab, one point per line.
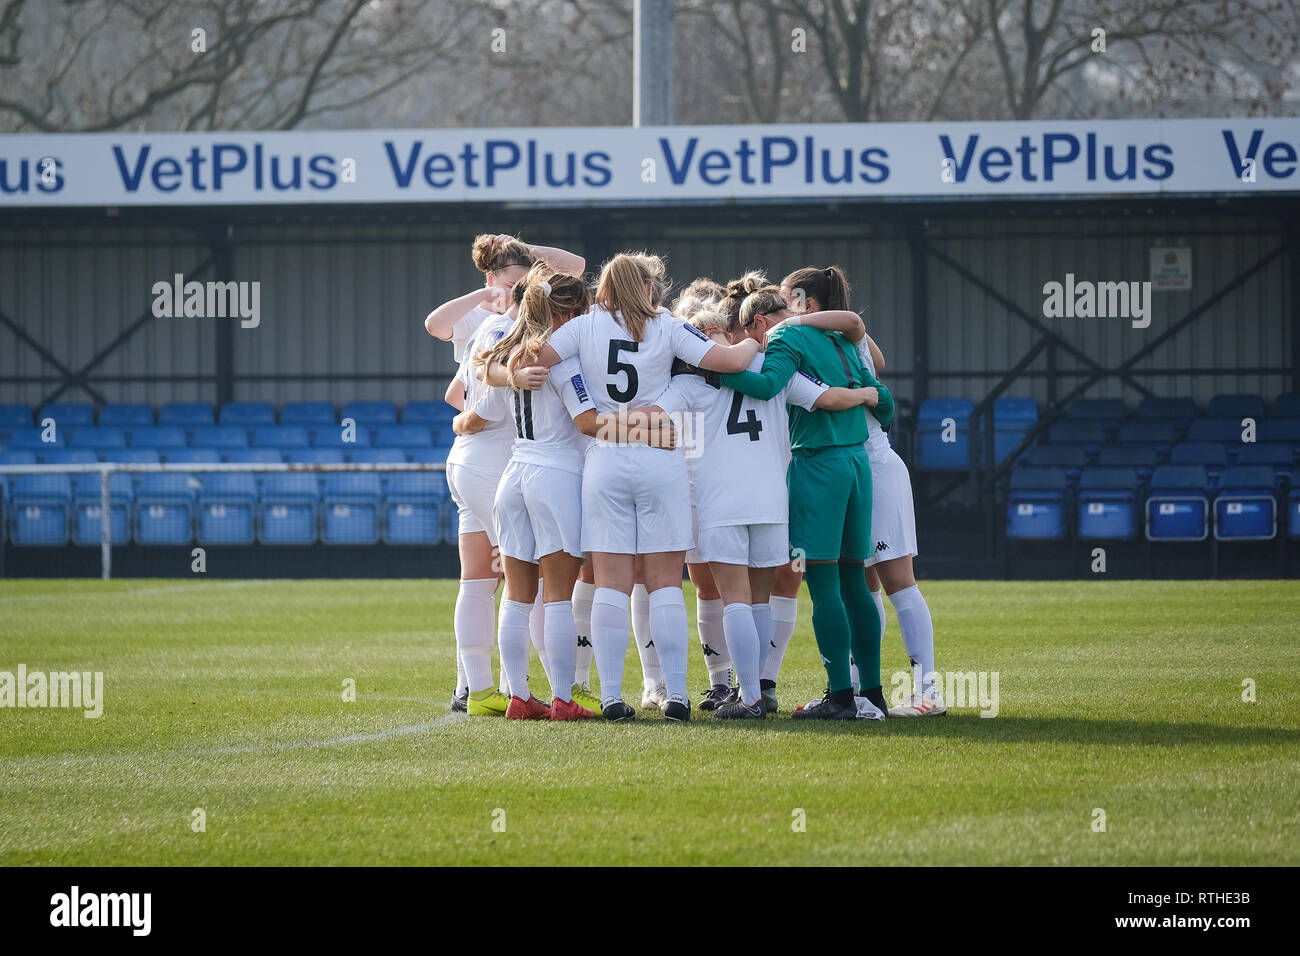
488	450
743	446
877	440
544	430
464	330
619	371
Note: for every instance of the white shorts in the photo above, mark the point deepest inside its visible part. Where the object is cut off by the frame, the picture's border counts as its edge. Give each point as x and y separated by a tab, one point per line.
893	520
752	545
539	511
635	500
693	556
475	495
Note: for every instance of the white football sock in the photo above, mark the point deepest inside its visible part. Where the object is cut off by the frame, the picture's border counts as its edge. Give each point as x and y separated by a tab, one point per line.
537	631
713	641
512	641
672	637
652	672
879	597
917	628
763	625
582	595
785	611
473	623
742	639
564	644
609	623
460	674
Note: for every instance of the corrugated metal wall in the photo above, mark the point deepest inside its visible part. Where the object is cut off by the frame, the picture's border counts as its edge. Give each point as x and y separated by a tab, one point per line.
348	302
971	331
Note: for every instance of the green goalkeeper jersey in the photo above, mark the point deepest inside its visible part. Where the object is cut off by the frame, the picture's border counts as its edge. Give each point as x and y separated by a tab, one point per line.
829	358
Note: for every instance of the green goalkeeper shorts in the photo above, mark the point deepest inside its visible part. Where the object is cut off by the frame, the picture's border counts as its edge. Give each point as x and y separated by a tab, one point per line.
830	503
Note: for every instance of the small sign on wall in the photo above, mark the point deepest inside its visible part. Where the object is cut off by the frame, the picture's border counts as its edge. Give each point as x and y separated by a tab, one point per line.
1171	269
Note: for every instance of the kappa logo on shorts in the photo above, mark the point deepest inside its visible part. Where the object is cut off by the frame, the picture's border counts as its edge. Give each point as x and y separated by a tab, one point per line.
881	546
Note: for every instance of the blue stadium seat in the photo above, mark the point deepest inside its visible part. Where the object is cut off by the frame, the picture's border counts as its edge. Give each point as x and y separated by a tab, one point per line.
314	456
1293	513
1108	504
67	456
87	510
41	506
31	439
350	505
227	508
933	452
1246	506
97	438
131	456
1158	434
280	436
1091	434
376	456
308	414
1036	503
1286	406
413	506
127	415
188	415
1072	458
332	437
370	414
68	415
164	509
287	509
1178	506
13	458
15	417
430	414
1276	455
402	436
191	456
1178	411
1141	458
436	455
1271	429
157	436
1210	455
1237	406
219	436
252	456
247	414
1226	431
1110	411
1013	418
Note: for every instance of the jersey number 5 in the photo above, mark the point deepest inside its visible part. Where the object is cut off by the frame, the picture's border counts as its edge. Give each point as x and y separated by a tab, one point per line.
751	426
615	366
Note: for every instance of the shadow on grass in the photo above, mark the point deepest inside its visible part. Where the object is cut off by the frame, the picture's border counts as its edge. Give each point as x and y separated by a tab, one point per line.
1016	730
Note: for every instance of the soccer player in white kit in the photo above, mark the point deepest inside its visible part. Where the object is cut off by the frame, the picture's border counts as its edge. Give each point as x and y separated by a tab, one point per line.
893	517
744	535
637	500
480	460
539	498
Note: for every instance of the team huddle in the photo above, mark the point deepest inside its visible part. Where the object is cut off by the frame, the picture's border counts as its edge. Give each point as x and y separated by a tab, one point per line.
571	481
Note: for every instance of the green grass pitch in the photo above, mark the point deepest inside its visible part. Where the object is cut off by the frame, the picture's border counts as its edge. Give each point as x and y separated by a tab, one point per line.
1124	697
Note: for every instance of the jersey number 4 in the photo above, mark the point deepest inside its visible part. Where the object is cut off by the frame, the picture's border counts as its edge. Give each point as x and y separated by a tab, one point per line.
751	426
615	366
